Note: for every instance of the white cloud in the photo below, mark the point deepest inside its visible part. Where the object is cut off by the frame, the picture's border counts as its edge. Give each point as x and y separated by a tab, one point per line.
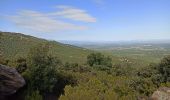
49	22
73	14
42	22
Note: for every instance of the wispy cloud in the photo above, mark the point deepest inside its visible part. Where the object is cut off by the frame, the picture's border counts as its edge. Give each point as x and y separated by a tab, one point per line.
48	22
73	14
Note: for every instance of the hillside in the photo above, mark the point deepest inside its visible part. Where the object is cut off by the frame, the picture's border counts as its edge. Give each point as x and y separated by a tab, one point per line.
101	76
18	45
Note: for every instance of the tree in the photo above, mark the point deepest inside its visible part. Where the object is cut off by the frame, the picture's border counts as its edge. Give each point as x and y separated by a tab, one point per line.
164	69
99	59
21	65
42	68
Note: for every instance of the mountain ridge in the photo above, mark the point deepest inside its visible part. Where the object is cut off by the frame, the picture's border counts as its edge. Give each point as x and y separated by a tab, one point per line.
17	44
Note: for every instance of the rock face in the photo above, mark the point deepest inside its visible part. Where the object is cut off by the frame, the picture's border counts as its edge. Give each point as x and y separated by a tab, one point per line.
163	93
10	80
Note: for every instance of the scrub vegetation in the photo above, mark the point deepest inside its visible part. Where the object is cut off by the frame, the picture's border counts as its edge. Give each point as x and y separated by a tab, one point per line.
65	72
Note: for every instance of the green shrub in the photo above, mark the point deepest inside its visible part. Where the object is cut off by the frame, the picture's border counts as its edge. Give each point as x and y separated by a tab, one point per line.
21	65
42	69
164	69
35	95
99	59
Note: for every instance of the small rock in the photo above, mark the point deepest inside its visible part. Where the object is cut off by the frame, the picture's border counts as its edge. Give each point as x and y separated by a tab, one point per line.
161	94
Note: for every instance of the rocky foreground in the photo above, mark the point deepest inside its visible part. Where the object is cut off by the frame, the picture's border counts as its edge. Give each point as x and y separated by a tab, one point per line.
10	80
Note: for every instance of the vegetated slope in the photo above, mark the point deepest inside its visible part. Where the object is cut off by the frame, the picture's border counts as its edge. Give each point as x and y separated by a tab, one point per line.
151	54
146	51
18	45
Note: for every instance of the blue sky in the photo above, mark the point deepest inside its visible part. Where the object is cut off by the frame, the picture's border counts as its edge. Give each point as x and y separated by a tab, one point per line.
87	20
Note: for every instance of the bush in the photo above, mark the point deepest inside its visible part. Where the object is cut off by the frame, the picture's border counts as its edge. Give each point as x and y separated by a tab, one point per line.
42	69
92	90
34	96
143	86
99	59
123	69
164	69
21	65
75	67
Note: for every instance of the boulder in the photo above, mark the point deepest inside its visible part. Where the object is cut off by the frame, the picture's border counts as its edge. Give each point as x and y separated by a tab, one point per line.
163	93
10	80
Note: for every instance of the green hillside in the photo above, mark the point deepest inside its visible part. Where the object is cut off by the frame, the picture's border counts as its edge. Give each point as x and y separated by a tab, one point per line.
101	76
18	45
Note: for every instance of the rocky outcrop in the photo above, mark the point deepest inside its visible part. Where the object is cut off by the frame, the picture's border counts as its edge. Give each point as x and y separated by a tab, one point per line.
10	80
163	93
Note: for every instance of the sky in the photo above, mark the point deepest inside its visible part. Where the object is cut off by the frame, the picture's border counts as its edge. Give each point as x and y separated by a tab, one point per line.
87	20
